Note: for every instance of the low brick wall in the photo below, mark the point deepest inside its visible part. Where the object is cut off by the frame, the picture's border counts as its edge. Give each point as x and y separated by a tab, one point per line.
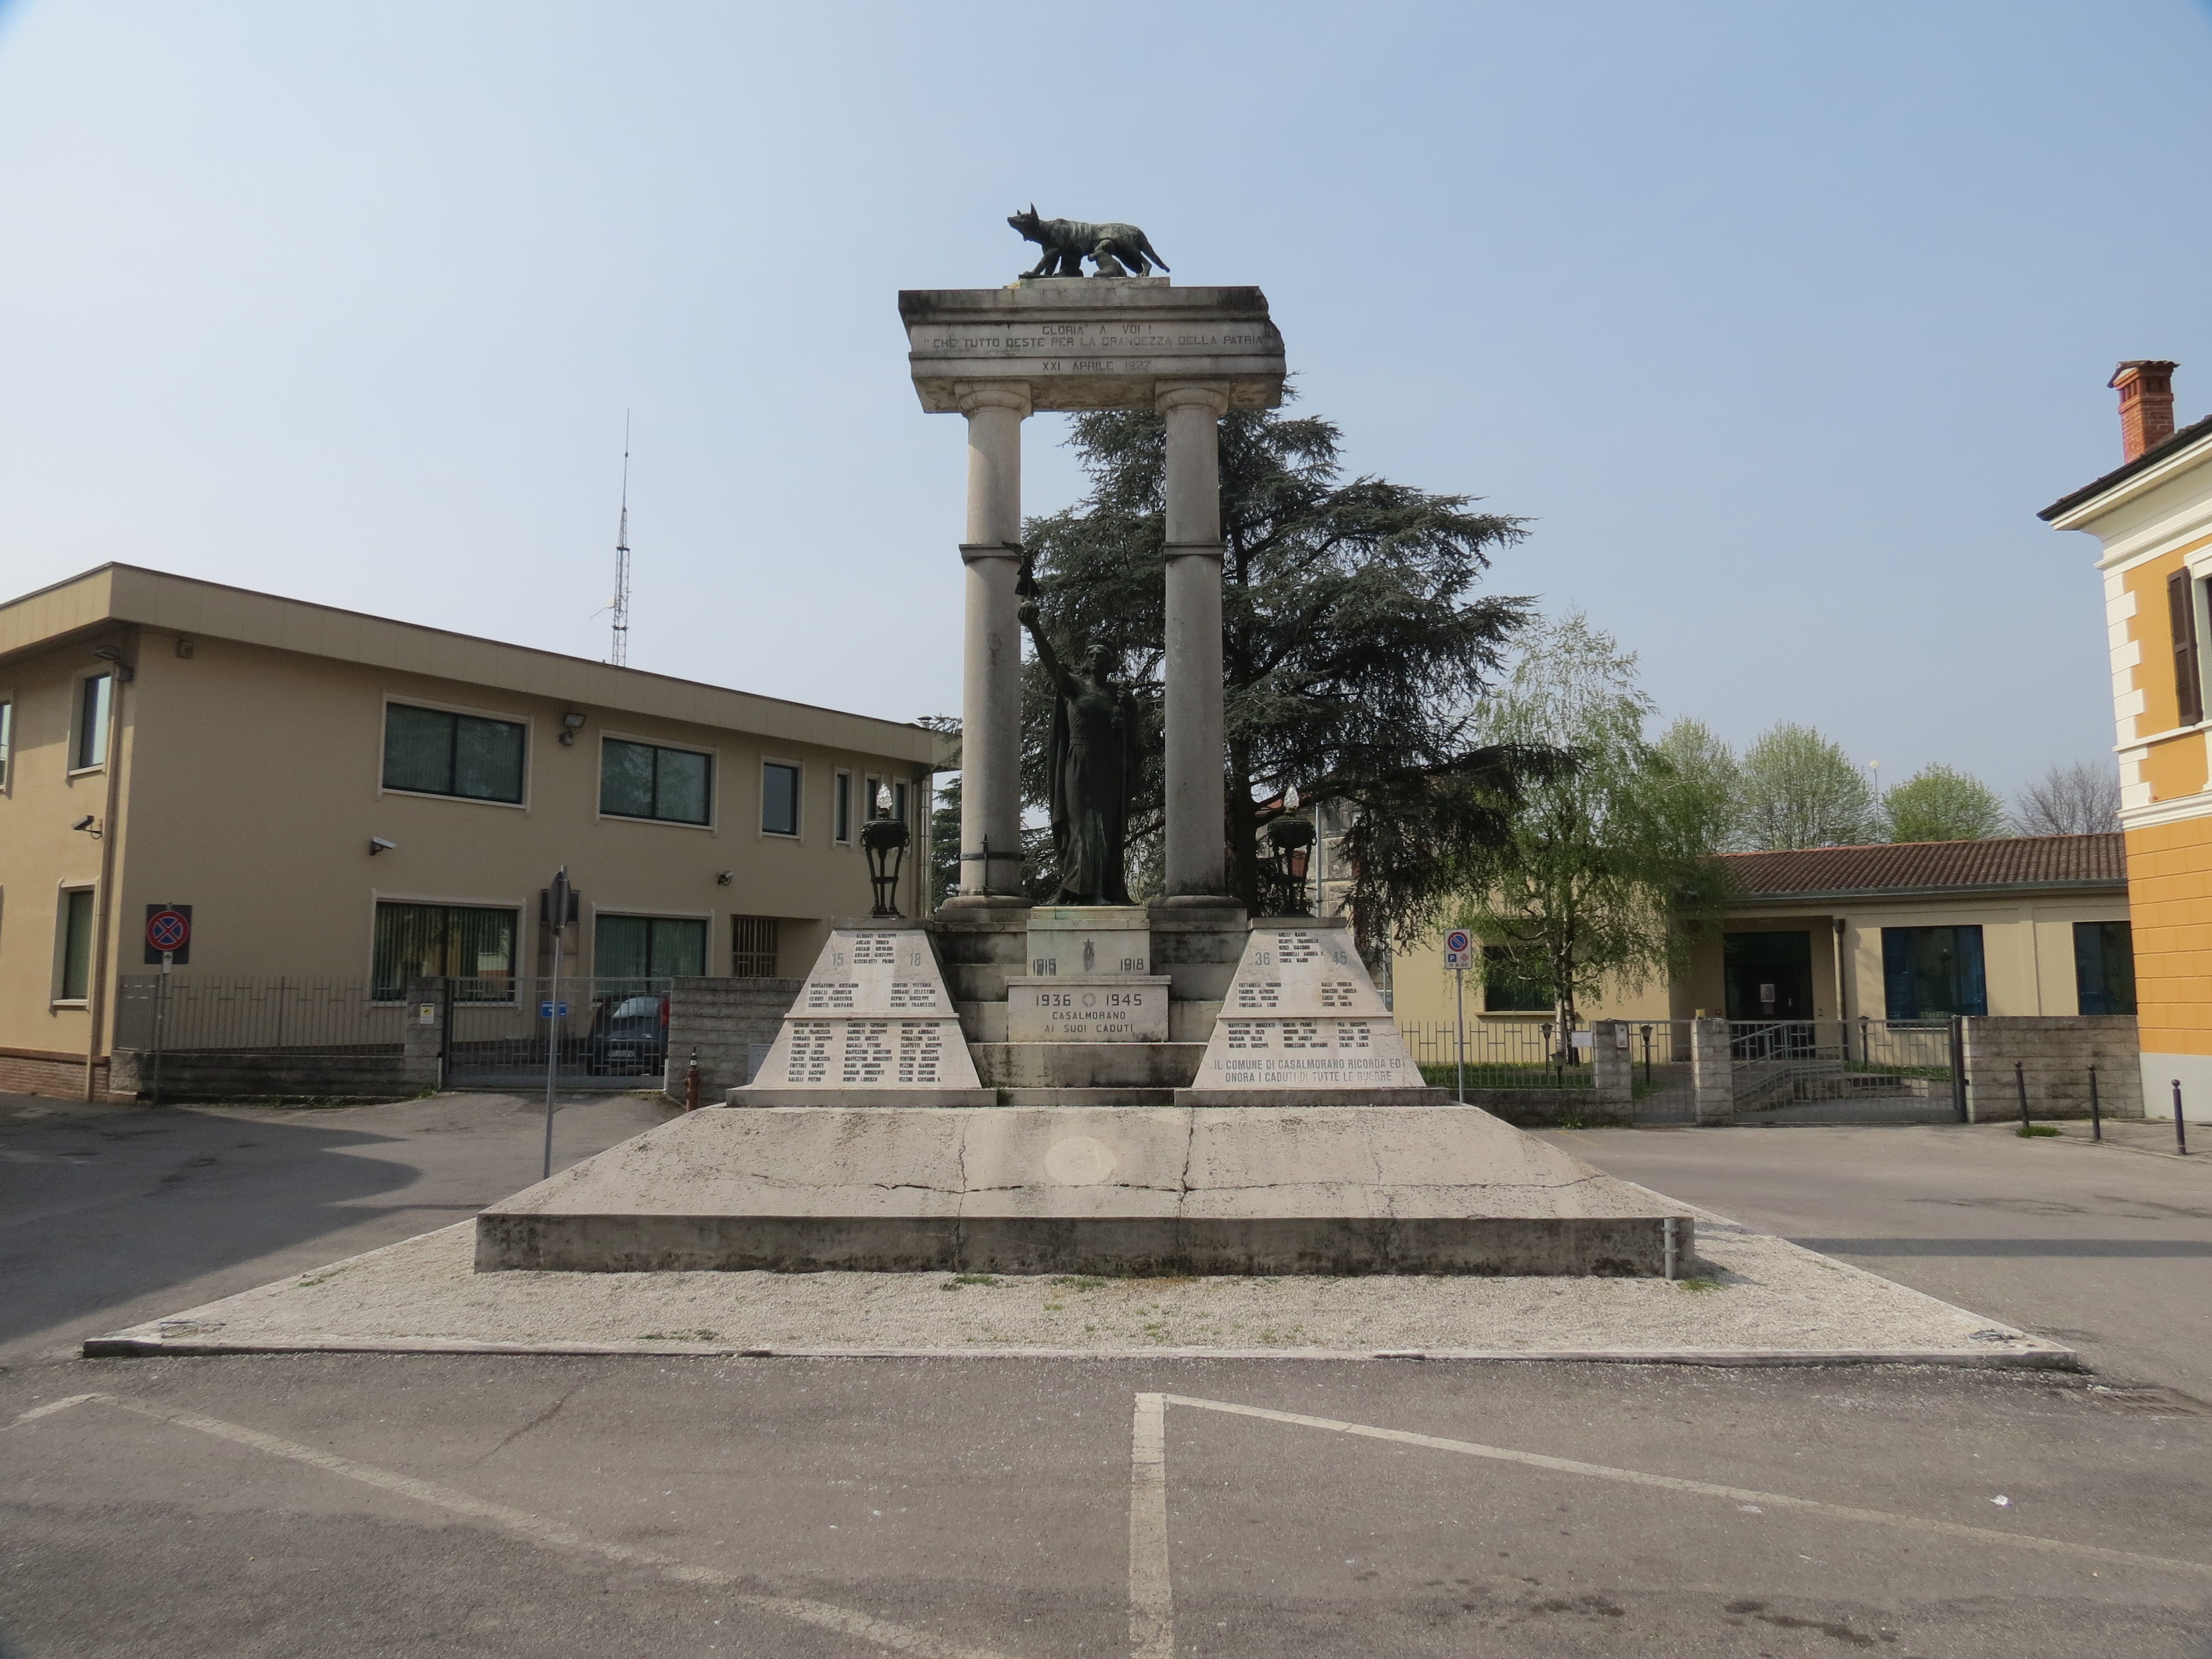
2055	1054
45	1072
722	1018
211	1076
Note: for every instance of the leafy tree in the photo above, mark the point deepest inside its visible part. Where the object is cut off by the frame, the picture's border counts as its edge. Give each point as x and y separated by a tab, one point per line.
1800	790
1604	862
1940	803
2070	800
1354	650
1706	764
943	816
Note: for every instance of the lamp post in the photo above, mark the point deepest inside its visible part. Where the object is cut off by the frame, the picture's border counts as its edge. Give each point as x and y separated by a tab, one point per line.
1289	845
884	839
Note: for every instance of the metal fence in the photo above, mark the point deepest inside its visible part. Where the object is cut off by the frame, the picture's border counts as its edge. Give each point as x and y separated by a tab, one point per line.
1661	1086
596	1033
184	1014
1503	1054
1775	1064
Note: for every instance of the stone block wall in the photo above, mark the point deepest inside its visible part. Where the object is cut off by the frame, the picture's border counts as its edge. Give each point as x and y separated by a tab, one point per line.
722	1018
2055	1053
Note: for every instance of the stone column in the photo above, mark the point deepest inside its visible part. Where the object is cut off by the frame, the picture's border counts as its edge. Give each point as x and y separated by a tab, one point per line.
991	679
1194	858
1612	1065
1712	1074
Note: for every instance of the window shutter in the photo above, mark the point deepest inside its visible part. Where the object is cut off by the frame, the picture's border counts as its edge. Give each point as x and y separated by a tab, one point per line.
2188	676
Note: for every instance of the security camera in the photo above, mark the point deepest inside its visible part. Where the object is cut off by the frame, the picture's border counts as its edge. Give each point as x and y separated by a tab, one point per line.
723	878
378	844
84	822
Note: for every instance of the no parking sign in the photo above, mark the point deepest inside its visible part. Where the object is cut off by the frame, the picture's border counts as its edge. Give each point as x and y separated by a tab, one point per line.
1459	950
168	934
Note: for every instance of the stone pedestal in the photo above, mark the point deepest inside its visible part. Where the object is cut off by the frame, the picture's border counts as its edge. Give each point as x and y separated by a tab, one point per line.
1378	1189
1303	1025
1088	1008
1089	938
874	1025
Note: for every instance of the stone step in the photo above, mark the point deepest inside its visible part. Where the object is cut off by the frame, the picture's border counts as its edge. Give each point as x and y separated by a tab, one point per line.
1087	1065
1065	1097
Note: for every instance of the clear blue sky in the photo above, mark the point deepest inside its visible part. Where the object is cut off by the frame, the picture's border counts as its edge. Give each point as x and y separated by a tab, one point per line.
1780	321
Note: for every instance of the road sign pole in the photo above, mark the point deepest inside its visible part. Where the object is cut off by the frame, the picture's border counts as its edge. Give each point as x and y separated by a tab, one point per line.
1459	1027
556	918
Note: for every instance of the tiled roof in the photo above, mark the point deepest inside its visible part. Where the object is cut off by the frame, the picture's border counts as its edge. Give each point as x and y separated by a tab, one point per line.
2098	861
2142	463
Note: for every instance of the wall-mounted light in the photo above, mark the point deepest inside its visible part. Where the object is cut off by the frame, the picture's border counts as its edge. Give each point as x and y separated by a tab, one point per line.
378	844
571	723
88	824
723	879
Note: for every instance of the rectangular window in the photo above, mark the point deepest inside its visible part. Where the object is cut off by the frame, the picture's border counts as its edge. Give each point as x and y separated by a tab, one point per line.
2105	967
470	942
431	752
779	799
649	947
753	947
1933	973
840	796
898	802
76	944
93	701
1507	988
869	790
644	781
7	738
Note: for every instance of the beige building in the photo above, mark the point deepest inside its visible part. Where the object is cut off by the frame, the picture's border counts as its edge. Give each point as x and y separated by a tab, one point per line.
1909	931
339	795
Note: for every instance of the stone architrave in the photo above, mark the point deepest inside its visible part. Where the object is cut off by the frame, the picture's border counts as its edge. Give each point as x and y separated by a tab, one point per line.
998	355
1303	1025
874	1025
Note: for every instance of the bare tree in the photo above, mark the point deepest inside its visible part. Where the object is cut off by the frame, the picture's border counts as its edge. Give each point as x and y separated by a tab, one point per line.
2070	800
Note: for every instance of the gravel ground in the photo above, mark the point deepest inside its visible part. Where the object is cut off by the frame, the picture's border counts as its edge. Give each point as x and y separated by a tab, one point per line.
1755	1294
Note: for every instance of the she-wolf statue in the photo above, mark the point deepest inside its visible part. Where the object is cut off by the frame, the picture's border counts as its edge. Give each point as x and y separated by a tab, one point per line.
1092	764
1068	242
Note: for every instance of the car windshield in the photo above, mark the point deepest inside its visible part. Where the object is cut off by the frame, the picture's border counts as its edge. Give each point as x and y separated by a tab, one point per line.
635	1008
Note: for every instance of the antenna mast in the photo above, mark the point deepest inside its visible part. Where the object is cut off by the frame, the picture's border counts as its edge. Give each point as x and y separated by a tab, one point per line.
621	658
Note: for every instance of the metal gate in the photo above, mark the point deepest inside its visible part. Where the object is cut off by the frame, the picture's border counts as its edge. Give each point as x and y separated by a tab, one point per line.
1901	1070
600	1035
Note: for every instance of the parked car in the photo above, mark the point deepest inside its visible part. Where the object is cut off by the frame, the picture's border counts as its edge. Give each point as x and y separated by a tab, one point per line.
629	1035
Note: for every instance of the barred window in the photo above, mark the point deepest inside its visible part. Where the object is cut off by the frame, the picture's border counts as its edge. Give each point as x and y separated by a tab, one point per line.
753	947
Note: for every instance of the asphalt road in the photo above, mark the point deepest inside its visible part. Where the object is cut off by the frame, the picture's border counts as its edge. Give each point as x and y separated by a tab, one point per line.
2105	1248
342	1505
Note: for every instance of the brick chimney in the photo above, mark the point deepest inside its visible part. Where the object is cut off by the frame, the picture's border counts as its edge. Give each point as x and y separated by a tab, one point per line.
2146	389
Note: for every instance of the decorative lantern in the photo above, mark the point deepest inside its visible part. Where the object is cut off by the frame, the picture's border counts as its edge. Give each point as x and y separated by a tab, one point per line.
883	838
1290	844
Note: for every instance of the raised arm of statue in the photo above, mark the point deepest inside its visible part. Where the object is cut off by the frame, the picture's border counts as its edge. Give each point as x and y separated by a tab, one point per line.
1052	665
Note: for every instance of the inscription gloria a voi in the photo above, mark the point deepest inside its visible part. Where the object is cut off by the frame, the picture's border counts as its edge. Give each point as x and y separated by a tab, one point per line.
1080	347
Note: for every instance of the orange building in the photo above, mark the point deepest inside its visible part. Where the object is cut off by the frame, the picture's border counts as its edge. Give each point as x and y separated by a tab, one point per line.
2153	517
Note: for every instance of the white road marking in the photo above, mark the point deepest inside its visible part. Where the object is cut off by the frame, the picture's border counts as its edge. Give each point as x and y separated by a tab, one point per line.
1699	1488
53	1406
1151	1599
553	1534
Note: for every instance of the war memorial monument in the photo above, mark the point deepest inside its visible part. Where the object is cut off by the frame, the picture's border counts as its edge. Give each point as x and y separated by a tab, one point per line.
1090	1084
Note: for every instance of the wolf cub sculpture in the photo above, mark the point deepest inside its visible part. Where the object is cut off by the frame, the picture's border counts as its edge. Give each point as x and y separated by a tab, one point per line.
1068	242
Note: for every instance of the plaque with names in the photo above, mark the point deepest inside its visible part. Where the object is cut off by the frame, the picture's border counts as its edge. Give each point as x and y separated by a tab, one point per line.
1303	1013
873	1014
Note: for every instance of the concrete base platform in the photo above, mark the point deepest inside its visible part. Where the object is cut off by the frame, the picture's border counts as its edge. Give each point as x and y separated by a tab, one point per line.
754	1095
1364	1097
1364	1189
